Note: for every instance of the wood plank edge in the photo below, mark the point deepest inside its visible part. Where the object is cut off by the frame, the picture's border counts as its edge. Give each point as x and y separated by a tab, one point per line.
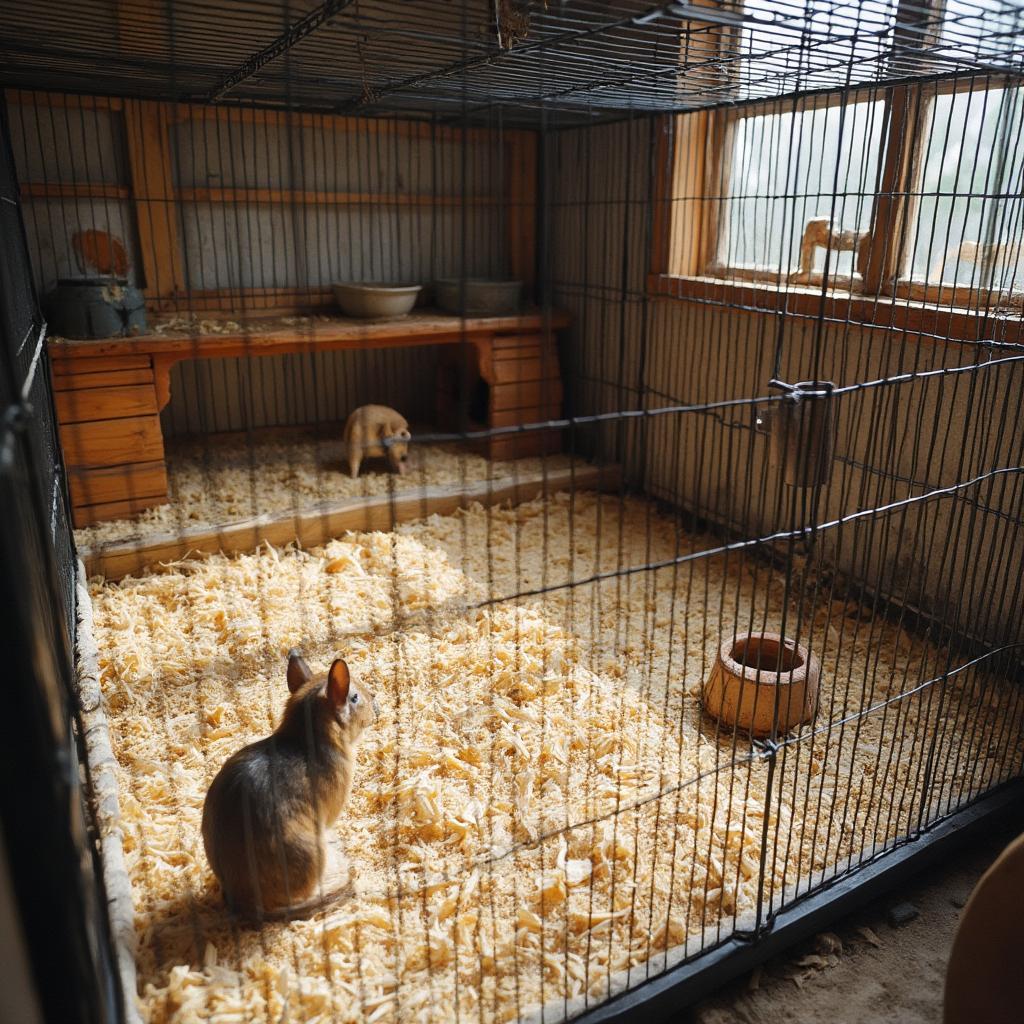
322	523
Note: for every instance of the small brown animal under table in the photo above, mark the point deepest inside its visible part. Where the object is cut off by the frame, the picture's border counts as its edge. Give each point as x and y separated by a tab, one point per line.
109	393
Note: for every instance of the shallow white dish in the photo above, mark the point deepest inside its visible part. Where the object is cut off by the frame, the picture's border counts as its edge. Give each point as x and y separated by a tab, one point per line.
369	300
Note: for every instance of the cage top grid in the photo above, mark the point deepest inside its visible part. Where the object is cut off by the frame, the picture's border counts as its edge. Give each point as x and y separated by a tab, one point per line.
566	61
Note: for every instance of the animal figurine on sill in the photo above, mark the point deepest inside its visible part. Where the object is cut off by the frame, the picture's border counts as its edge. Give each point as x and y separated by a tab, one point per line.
268	809
366	431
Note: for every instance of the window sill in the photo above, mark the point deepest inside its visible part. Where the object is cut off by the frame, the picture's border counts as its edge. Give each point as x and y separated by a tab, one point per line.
926	320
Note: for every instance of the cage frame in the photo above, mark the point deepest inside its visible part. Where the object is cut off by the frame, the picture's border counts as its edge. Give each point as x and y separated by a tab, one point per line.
804	913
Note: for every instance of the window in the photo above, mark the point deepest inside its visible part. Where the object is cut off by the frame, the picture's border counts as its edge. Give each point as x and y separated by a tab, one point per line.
795	183
912	190
969	216
979	30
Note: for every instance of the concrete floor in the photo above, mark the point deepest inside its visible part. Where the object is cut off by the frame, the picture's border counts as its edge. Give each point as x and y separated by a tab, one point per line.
867	970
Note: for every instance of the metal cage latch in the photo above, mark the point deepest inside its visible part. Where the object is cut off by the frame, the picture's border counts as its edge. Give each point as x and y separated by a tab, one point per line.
801	430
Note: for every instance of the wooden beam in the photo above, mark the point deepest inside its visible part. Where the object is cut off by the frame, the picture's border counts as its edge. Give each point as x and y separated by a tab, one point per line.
664	160
687	219
894	204
62	364
104	486
70	101
404	128
112	442
719	132
87	515
521	193
339	333
84	405
318	524
149	158
299	197
66	377
76	190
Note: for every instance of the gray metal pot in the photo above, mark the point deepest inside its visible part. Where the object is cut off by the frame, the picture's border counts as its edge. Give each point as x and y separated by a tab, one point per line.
470	297
95	307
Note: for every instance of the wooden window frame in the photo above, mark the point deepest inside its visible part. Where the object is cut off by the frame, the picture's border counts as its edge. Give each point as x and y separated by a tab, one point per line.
902	284
721	131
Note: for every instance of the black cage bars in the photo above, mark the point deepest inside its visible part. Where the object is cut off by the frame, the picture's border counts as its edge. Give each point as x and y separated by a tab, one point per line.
577	61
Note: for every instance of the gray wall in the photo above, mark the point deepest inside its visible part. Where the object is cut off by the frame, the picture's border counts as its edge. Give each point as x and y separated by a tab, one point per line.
272	244
275	244
214	395
957	557
56	145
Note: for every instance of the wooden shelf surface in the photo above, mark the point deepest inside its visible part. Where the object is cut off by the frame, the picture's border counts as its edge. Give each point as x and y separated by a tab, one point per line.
261	338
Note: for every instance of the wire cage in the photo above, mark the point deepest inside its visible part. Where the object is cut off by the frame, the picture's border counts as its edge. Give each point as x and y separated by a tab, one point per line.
692	603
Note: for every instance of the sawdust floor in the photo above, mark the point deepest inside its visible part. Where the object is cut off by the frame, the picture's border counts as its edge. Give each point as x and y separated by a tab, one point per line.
542	814
213	484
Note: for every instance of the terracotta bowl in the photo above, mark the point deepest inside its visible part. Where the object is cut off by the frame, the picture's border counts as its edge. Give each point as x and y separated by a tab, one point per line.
763	685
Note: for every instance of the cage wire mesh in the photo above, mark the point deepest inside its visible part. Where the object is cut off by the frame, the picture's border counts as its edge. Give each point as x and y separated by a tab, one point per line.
766	384
66	914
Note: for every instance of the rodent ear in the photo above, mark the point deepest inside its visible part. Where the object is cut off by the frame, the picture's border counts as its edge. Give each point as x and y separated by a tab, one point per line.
298	671
338	682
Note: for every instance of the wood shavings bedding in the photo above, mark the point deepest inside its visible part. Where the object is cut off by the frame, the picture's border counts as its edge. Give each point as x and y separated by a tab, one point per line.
541	806
217	484
195	323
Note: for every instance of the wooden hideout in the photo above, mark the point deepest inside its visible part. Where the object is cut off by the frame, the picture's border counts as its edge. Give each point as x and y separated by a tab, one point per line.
109	393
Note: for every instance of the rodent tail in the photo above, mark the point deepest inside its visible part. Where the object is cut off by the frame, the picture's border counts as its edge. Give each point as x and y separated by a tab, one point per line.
299	911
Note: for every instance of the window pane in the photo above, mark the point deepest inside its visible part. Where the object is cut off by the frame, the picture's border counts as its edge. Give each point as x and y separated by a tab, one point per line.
970	211
789	167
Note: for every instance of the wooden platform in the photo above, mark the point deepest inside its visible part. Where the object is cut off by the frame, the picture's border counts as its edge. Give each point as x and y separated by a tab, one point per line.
317	524
109	393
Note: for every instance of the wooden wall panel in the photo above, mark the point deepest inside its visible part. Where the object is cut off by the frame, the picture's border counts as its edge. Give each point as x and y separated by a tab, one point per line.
227	395
152	180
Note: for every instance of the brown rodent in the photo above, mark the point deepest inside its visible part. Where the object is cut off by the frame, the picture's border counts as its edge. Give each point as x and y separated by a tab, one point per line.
365	432
267	809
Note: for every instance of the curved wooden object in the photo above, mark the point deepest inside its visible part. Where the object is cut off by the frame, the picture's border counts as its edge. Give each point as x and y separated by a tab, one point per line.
984	981
763	685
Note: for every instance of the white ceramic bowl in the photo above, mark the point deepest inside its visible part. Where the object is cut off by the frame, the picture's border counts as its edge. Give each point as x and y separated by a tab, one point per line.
376	300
